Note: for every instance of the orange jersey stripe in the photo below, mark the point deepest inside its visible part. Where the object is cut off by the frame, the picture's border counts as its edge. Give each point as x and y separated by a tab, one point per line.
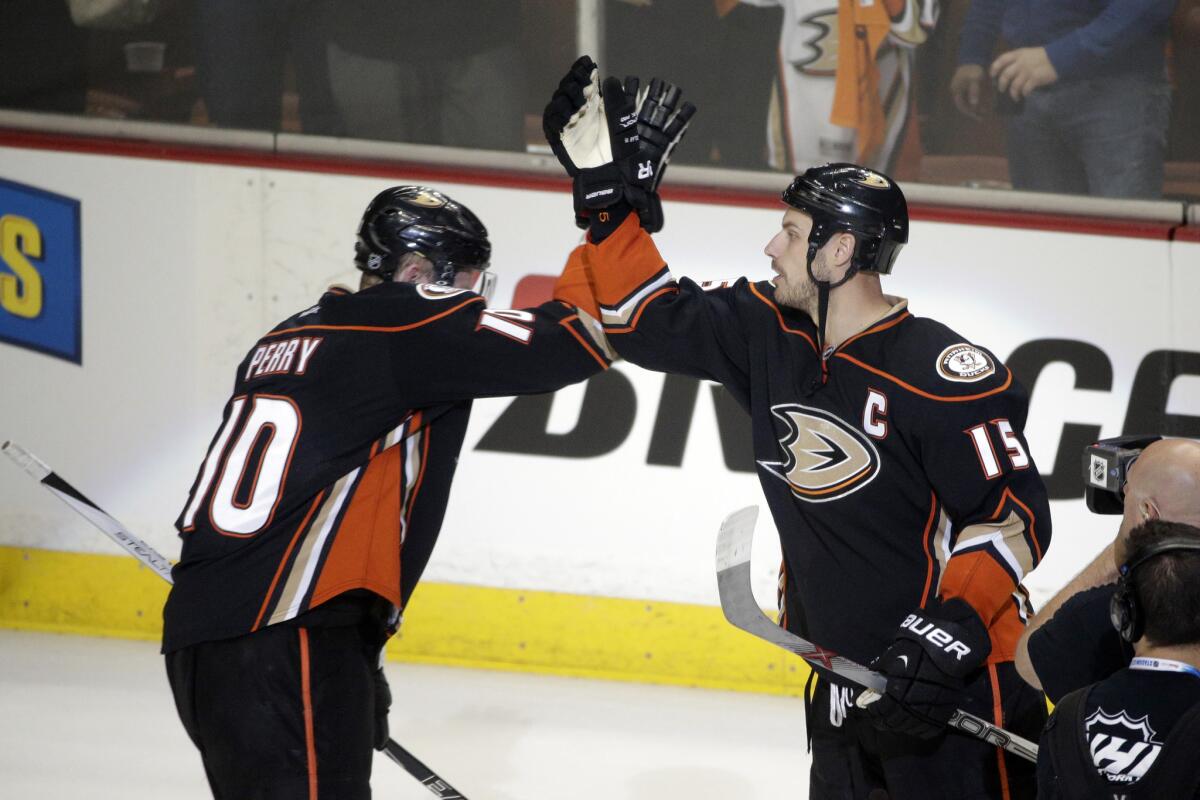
933	506
310	740
283	561
922	393
779	316
883	326
566	323
998	720
365	552
632	326
987	587
1008	495
574	287
626	259
375	329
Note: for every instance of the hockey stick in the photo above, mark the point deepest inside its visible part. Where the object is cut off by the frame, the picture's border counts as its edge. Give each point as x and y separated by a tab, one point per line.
143	552
741	609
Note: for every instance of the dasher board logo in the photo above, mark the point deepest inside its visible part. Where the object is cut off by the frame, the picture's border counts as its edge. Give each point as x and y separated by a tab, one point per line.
965	363
823	458
41	285
1122	747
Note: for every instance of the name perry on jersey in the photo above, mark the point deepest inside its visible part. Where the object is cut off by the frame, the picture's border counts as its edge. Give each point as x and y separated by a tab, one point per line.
287	355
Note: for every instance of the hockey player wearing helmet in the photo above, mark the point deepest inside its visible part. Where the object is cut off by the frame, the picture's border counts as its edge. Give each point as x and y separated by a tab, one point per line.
412	234
890	451
321	497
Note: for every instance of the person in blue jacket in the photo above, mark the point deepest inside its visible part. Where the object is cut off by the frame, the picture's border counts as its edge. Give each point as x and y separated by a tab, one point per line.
1084	85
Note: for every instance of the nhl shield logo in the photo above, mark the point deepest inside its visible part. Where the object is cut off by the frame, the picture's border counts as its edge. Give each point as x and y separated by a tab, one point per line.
823	458
1122	747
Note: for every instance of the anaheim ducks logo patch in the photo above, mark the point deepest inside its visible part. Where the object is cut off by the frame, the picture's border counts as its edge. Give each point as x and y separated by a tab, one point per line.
817	52
823	458
873	180
428	198
965	363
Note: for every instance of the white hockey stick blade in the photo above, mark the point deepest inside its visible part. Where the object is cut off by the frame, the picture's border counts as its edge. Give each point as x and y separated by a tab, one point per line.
67	493
734	544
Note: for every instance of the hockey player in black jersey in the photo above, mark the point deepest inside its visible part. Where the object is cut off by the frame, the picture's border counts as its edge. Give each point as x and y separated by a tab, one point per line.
316	508
890	451
1133	735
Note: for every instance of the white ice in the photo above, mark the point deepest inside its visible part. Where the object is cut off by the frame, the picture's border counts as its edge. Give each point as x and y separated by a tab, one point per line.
93	718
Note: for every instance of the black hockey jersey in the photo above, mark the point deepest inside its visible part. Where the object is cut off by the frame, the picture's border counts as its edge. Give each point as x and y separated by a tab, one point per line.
332	466
895	468
1130	737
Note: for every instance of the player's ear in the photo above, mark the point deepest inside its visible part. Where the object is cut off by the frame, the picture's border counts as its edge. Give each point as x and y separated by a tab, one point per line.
412	272
843	249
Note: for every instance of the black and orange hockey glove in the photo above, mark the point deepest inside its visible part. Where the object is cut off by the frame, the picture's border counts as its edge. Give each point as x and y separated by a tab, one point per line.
935	654
615	141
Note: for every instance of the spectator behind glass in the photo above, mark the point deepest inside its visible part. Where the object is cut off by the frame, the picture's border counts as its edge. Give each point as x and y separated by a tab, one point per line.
448	72
726	52
1086	90
43	63
243	46
846	85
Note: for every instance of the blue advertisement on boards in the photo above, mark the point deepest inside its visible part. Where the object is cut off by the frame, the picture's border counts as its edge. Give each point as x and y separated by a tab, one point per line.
41	275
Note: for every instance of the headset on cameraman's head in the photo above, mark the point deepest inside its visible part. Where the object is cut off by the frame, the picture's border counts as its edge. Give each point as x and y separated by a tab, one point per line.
1106	466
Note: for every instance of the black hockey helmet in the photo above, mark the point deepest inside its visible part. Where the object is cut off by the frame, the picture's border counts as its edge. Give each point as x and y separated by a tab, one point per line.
417	219
847	197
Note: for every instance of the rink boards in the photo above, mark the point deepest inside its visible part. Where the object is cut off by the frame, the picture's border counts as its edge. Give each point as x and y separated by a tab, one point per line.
580	532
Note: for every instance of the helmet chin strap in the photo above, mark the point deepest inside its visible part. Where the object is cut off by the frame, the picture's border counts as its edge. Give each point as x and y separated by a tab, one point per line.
824	287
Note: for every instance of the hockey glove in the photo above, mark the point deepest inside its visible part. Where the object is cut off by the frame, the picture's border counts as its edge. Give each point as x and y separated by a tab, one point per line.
661	124
935	653
597	134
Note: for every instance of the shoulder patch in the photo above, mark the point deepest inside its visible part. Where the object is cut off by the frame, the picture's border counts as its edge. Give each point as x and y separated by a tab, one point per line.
433	291
965	363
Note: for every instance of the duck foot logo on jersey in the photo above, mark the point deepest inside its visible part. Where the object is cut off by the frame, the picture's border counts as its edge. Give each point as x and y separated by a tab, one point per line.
823	457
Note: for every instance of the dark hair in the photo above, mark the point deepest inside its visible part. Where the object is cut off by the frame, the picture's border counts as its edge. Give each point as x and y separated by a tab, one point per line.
1168	584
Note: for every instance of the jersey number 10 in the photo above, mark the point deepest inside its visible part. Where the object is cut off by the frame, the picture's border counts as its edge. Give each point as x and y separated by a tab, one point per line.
271	418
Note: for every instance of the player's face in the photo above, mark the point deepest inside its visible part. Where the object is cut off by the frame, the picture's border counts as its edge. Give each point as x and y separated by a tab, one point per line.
788	251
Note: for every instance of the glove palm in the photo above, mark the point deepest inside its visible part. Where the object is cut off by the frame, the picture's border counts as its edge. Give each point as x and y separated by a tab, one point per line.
615	140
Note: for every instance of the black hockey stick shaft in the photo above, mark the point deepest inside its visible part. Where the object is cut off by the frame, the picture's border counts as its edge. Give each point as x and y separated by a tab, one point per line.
741	609
43	474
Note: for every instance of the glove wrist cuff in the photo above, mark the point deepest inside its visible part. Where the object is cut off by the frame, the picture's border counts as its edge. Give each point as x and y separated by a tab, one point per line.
603	222
955	640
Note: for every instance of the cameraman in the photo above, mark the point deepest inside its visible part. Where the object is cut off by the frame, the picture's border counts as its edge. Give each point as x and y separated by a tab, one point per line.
1071	643
1134	734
